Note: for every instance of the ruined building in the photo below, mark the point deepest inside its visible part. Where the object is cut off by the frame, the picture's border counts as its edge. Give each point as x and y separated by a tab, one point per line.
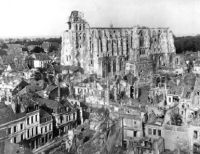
106	51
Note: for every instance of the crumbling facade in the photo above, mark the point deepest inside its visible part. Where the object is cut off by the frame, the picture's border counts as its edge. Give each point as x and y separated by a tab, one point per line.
105	51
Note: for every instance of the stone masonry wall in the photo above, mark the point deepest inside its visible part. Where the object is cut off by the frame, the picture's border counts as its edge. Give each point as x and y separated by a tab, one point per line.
93	48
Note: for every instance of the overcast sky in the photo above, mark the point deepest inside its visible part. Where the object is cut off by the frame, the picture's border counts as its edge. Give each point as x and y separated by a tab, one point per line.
48	17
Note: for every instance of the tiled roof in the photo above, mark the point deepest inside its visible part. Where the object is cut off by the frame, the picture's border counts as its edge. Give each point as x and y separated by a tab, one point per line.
25	90
55	105
156	121
41	56
49	103
64	92
28	99
7	114
44	114
49	88
66	103
20	86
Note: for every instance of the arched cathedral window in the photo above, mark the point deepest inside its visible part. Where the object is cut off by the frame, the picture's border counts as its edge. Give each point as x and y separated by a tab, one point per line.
141	39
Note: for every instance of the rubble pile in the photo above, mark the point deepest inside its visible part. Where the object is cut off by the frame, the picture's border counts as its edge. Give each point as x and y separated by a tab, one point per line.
100	140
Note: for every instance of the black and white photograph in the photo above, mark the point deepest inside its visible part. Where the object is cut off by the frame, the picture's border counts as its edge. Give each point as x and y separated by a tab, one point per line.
99	76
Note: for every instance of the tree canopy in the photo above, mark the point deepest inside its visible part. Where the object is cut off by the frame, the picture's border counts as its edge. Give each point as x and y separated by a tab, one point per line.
37	50
187	43
52	48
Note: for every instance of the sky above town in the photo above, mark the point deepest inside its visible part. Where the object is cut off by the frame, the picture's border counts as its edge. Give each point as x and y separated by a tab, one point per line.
25	18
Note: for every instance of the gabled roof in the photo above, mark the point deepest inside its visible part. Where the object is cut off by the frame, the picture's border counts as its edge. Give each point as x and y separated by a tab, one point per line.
28	100
64	92
40	56
44	116
50	88
19	87
55	105
197	84
29	89
23	91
